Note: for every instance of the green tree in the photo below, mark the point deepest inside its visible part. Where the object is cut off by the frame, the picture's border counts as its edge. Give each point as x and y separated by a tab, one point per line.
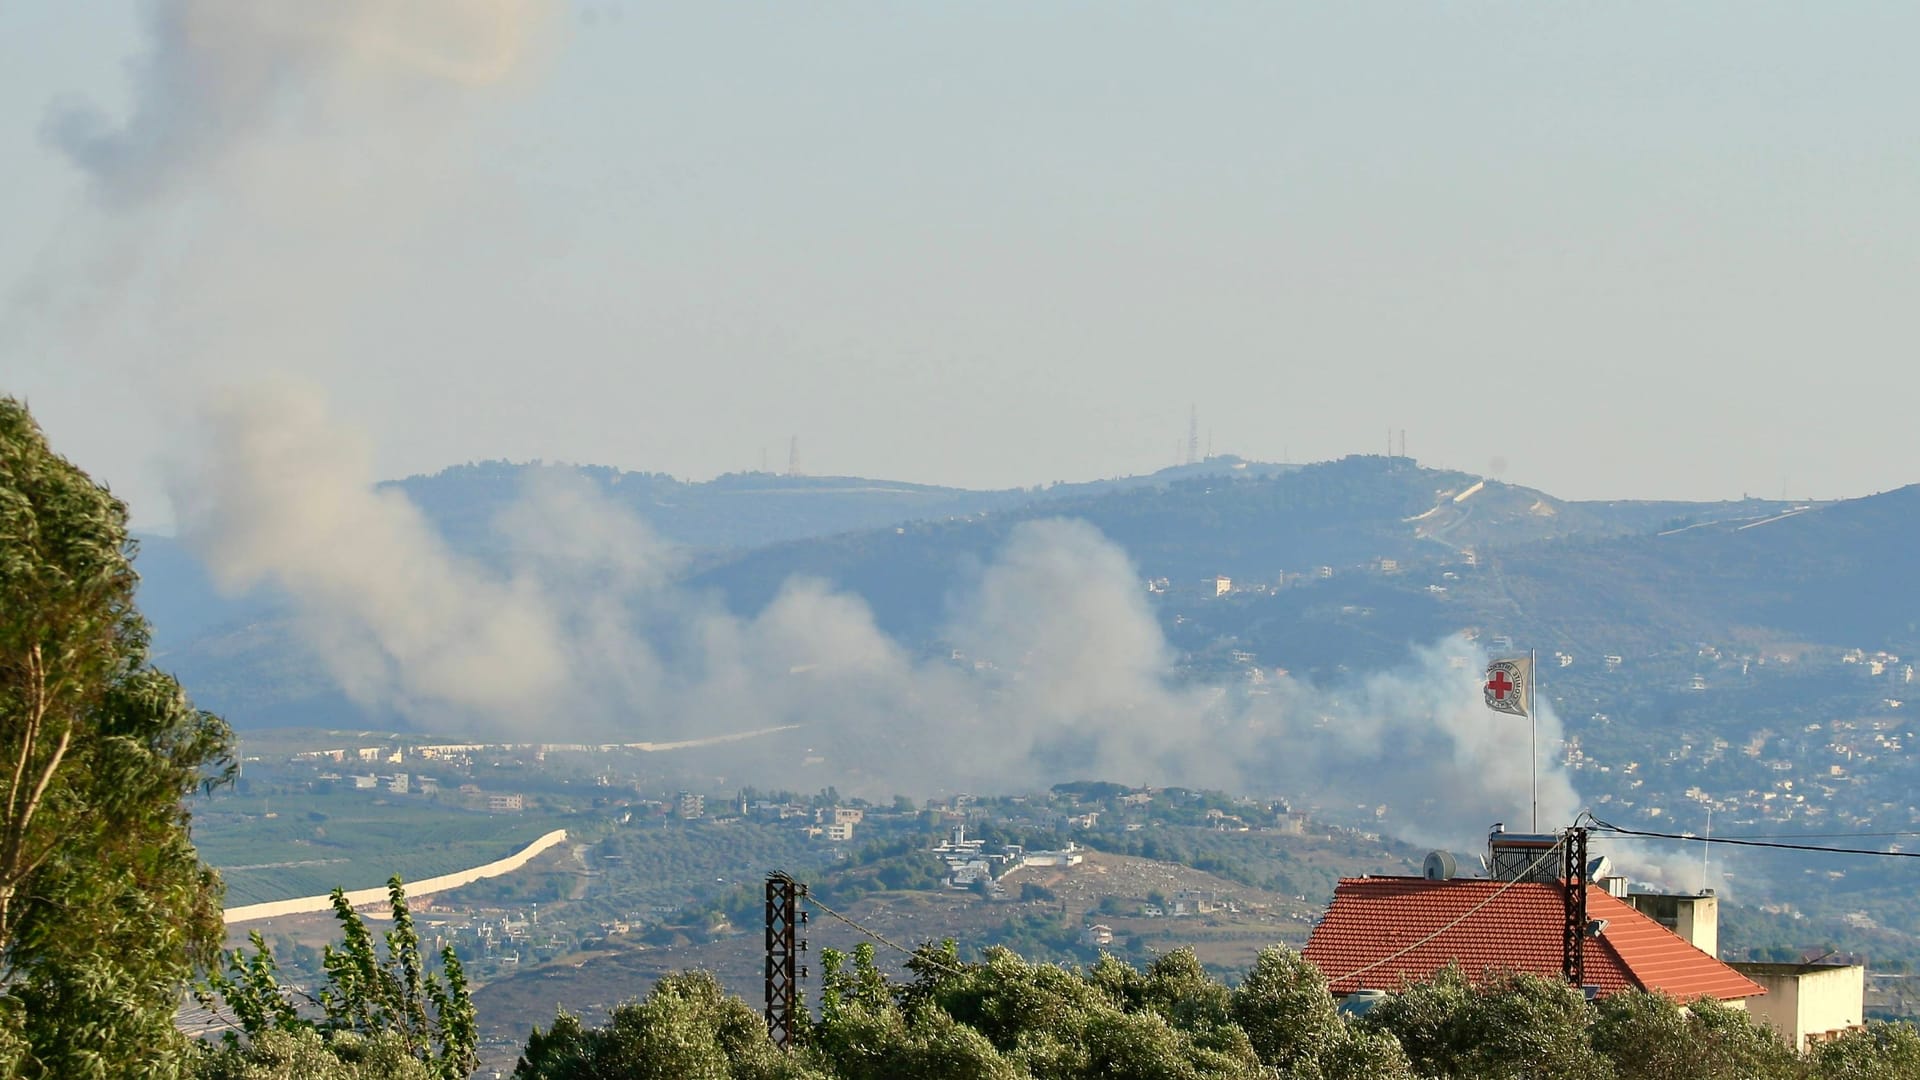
308	1054
1880	1051
1515	1025
686	1028
1285	1009
371	1006
105	907
1652	1037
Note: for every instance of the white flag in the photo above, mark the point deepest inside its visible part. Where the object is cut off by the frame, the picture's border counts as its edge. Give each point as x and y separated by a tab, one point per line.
1510	686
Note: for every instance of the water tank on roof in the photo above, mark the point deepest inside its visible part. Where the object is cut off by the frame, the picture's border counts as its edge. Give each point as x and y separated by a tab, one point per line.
1439	866
1358	1002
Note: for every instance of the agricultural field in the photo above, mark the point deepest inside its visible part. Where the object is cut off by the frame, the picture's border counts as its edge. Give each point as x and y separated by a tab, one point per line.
288	845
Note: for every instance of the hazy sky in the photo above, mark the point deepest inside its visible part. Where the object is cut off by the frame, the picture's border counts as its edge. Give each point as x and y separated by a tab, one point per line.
1631	250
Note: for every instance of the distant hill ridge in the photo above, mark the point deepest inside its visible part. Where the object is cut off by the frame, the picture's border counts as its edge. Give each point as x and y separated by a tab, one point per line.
1595	573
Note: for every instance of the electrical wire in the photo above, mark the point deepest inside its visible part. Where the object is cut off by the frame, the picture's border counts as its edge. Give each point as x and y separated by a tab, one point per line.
1716	838
1622	830
1462	917
923	957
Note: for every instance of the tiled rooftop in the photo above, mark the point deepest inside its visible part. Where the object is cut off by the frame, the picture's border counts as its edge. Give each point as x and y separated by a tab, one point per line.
1518	929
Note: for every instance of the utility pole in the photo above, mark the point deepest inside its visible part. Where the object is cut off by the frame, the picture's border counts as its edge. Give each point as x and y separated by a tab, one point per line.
784	943
1573	933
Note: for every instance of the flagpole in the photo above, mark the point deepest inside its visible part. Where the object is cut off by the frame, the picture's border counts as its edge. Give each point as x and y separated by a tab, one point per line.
1533	724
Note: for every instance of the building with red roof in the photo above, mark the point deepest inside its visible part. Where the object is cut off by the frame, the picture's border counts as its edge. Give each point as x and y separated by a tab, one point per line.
1380	932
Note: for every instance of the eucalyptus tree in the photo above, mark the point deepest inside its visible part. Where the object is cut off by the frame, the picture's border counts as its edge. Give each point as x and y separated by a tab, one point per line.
105	907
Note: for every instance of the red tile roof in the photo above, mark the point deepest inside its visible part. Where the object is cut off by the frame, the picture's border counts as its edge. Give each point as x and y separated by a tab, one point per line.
1502	926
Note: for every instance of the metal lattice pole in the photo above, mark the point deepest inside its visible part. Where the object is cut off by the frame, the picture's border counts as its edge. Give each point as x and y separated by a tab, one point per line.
1573	933
784	943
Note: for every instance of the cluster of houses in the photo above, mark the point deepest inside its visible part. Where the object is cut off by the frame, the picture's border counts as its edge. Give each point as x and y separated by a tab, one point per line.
1221	585
834	824
970	865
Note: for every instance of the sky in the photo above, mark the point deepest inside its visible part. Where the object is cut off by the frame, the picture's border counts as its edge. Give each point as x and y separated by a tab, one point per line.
1627	250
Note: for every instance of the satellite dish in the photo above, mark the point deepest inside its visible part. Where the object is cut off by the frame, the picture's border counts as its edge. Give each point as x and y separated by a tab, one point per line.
1439	866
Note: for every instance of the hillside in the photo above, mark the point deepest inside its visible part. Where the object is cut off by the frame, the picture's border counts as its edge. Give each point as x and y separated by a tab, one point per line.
1253	527
1838	574
1260	525
1226	938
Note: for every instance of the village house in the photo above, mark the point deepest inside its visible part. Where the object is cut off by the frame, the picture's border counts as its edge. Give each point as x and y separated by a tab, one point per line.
1380	932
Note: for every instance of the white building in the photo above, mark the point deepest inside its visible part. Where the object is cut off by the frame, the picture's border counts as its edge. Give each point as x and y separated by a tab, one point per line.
1808	1003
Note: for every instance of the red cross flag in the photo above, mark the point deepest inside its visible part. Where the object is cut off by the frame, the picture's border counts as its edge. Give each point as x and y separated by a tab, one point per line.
1510	685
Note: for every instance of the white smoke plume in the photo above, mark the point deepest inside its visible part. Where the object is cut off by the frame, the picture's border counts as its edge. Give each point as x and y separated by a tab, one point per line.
581	633
285	192
219	72
285	498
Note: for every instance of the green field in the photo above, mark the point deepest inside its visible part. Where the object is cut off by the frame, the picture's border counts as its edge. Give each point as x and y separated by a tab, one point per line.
312	843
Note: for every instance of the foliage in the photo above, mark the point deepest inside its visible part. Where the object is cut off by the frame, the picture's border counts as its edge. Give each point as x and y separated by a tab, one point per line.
1515	1025
1284	1008
105	907
686	1027
307	1054
1877	1052
1652	1037
1005	1017
371	1007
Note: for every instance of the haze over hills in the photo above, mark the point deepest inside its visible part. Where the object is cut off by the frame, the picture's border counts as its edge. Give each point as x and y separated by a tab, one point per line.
1253	529
1750	657
1579	570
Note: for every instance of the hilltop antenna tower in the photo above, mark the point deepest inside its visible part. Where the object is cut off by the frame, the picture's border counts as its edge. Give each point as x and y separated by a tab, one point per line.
1193	434
793	456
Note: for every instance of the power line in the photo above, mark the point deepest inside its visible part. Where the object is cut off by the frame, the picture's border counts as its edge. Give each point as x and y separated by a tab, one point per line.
924	957
1738	842
1799	836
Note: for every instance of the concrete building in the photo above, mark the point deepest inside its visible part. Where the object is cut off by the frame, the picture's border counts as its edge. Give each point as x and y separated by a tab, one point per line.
1694	917
1808	1003
506	803
1071	855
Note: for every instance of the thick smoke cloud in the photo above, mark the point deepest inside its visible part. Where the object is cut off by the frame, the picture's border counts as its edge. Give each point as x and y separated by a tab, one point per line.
304	164
397	616
1058	668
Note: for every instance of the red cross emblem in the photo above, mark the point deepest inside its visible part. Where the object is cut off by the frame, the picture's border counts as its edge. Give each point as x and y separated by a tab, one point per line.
1500	686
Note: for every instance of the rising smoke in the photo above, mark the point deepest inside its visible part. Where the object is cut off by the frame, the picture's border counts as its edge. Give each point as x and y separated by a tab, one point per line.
579	631
219	73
